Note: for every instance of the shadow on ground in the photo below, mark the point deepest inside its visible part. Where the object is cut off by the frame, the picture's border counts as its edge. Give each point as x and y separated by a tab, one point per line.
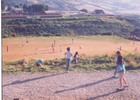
85	85
103	95
33	79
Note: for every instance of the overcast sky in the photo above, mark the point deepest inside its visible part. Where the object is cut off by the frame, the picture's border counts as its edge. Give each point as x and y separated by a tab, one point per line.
135	4
132	2
118	6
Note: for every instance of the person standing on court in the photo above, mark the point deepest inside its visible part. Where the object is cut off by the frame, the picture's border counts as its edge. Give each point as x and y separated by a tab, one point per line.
121	71
75	58
118	62
68	59
7	48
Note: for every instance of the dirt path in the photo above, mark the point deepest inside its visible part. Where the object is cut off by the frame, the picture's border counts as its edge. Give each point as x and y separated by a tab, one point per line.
96	85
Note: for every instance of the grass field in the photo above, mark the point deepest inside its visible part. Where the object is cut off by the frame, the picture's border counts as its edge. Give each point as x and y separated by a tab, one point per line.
41	47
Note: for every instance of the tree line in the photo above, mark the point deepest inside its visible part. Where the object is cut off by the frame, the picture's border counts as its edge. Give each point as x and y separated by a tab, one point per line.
29	9
35	9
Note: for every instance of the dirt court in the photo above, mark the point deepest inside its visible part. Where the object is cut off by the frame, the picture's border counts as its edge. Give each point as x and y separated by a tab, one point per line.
41	47
96	85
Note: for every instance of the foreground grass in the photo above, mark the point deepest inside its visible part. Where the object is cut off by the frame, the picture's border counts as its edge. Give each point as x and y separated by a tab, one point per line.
104	62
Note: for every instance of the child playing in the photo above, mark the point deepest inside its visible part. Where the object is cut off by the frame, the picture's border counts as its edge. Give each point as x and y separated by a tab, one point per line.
39	62
7	48
36	50
76	57
68	58
53	47
117	62
121	72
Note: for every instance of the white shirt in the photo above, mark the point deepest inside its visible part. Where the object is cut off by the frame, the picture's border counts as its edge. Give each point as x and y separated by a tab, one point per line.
68	54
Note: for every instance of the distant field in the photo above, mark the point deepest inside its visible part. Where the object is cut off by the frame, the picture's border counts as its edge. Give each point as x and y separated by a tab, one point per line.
85	45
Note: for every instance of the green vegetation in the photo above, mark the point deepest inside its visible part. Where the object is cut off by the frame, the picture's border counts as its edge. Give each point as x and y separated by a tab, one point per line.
133	20
35	9
132	62
69	26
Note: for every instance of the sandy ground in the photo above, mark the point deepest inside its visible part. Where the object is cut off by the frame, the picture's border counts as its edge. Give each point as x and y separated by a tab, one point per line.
96	85
19	49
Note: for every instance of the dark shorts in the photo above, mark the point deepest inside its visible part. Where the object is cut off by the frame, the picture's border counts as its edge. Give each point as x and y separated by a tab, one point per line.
38	65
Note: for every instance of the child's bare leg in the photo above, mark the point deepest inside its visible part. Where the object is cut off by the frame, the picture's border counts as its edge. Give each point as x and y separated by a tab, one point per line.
121	80
121	83
124	79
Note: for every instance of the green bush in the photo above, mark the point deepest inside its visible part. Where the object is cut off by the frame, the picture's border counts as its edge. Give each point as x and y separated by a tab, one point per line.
132	61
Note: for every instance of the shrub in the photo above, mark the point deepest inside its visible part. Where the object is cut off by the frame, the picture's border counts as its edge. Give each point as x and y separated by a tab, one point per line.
132	61
5	36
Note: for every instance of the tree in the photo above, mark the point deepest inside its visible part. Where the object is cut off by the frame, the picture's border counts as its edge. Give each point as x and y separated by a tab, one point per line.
21	5
9	8
84	10
2	5
16	6
136	32
37	8
46	7
25	8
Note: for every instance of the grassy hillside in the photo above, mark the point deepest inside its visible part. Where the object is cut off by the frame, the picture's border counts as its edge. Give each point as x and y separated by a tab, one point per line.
135	20
89	25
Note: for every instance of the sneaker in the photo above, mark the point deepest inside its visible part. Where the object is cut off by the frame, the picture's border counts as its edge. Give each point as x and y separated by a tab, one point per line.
126	86
114	76
120	89
67	71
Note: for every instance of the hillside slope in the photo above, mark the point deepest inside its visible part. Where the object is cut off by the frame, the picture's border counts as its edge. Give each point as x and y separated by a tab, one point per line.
89	25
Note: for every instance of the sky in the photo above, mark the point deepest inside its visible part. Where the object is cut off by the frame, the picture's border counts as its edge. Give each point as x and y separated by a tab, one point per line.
123	6
135	4
132	2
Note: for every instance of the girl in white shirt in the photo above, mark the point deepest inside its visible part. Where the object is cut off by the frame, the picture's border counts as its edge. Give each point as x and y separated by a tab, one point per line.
68	58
